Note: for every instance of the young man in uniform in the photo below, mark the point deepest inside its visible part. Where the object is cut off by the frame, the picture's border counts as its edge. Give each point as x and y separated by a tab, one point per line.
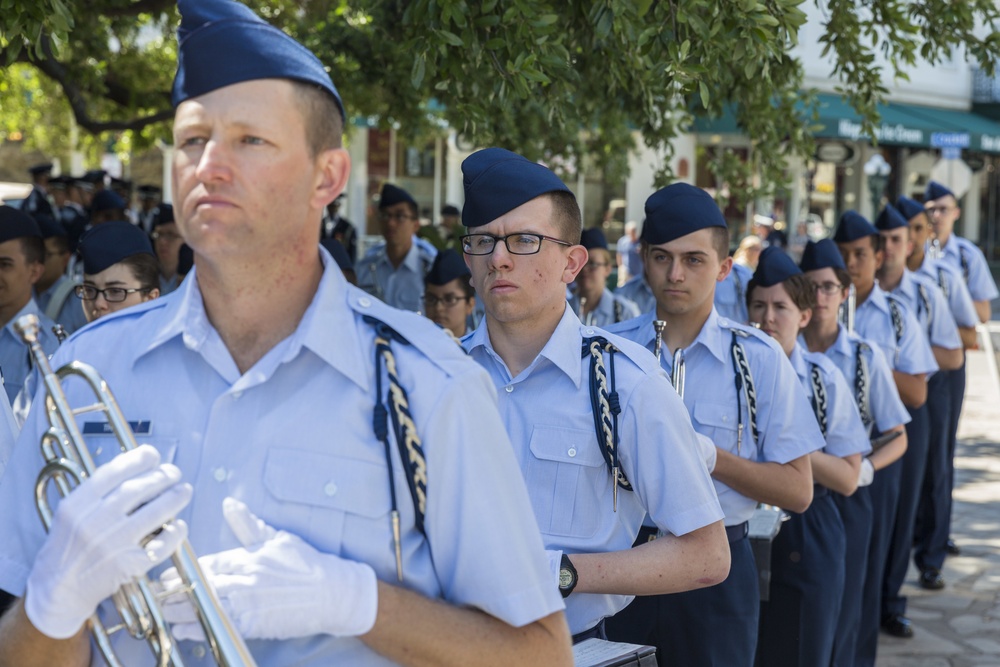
743	396
54	290
592	301
255	348
601	438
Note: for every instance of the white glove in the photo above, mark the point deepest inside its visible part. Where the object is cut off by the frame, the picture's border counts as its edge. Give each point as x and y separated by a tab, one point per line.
277	586
95	544
555	564
867	472
708	451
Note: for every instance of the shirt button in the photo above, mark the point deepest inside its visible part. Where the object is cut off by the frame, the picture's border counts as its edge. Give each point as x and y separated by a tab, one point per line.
509	388
198	651
572	451
236	395
589	332
330	489
725	418
364	302
219	474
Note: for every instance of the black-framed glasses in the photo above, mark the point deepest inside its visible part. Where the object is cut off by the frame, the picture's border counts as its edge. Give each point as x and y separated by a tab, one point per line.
448	300
110	294
828	288
518	243
938	210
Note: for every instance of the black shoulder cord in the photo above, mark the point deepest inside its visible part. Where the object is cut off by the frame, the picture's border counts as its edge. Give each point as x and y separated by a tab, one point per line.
861	385
411	450
744	385
819	401
606	407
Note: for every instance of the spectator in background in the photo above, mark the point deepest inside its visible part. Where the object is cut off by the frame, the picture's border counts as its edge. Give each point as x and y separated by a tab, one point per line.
629	258
37	200
448	234
167	242
336	226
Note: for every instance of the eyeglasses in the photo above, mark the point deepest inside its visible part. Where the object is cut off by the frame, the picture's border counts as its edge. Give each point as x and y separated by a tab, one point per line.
828	288
165	236
593	266
398	216
518	243
449	300
110	294
938	210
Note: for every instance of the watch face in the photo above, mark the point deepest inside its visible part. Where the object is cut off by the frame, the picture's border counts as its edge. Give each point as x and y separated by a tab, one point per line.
565	578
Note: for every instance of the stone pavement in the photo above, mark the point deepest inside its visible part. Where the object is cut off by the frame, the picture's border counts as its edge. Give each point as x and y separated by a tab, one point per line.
960	625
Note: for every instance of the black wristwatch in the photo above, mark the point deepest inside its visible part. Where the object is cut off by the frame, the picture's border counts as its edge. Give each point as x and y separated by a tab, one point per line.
567	576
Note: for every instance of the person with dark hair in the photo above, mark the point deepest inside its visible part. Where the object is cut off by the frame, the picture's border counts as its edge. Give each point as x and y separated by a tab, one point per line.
149	199
598	456
798	622
347	454
54	290
22	263
119	269
592	301
393	271
449	298
340	229
447	234
37	200
167	242
107	205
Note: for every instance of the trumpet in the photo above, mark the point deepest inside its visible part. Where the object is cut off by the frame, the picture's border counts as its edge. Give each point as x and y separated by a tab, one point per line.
934	252
847	309
677	369
68	464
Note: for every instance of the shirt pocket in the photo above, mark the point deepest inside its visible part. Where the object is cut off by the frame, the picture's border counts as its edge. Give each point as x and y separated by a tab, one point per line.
719	422
322	497
105	446
567	479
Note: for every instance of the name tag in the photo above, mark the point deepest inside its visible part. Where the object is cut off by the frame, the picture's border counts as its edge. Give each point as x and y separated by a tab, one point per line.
104	428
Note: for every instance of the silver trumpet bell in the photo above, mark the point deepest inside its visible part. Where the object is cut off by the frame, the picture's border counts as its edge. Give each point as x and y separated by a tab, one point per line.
677	370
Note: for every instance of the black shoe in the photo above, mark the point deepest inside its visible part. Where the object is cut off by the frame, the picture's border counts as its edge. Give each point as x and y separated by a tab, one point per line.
897	625
931	580
952	548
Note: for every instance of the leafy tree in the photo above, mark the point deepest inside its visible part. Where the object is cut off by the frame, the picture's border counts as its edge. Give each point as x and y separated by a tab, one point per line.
546	77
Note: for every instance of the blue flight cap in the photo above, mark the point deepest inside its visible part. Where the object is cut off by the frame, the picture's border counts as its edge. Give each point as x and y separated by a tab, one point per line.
910	208
821	255
163	214
935	191
774	267
16	224
889	219
497	181
678	210
49	226
593	238
338	252
38	169
106	200
447	266
853	226
392	195
221	42
106	245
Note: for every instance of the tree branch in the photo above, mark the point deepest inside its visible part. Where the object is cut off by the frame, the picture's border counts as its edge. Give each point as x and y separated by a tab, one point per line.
140	7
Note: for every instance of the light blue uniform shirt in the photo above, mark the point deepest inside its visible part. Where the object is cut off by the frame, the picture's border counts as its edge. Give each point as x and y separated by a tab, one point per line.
909	353
292	438
949	280
845	434
610	309
547	411
785	419
731	294
70	314
15	360
883	402
965	256
400	287
637	291
8	434
923	297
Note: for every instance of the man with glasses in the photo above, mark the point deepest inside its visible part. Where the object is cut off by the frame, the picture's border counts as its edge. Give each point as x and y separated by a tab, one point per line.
394	271
448	295
592	301
943	211
602	439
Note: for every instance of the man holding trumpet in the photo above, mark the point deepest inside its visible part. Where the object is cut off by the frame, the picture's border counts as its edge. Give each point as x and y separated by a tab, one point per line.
392	544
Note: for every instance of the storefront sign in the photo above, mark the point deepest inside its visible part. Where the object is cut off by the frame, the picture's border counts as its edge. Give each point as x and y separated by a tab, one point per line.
837	153
950	139
892	134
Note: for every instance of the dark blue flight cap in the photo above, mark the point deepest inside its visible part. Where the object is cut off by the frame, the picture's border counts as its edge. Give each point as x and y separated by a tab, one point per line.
106	245
821	255
497	181
42	168
147	191
106	200
853	226
935	191
94	176
338	252
889	219
774	267
163	214
447	266
16	224
49	226
392	195
593	238
221	42
678	210
910	208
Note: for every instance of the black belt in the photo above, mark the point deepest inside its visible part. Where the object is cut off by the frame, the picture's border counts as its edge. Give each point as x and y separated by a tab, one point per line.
596	632
733	533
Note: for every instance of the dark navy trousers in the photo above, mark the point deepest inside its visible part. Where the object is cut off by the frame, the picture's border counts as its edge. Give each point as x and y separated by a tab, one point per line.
856	515
934	515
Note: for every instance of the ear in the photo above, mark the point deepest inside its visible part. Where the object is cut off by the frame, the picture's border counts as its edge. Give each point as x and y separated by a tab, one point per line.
152	294
909	245
805	317
576	258
35	271
724	269
333	166
879	259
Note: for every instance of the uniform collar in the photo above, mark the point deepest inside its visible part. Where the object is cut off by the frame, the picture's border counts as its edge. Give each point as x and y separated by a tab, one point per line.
877	299
410	261
798	361
714	337
30	308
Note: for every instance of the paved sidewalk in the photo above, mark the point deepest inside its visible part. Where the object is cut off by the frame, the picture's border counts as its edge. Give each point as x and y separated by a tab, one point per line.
960	625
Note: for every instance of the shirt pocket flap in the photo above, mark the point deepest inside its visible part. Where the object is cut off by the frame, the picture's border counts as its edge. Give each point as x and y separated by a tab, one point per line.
566	445
334	482
716	415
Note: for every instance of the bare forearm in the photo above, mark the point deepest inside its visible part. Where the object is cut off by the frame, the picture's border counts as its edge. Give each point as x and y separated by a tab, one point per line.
983	310
836	473
414	630
669	564
948	360
912	389
891	452
787	485
22	645
970	339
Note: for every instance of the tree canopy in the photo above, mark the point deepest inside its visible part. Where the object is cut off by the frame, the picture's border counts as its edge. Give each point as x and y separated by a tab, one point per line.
549	78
